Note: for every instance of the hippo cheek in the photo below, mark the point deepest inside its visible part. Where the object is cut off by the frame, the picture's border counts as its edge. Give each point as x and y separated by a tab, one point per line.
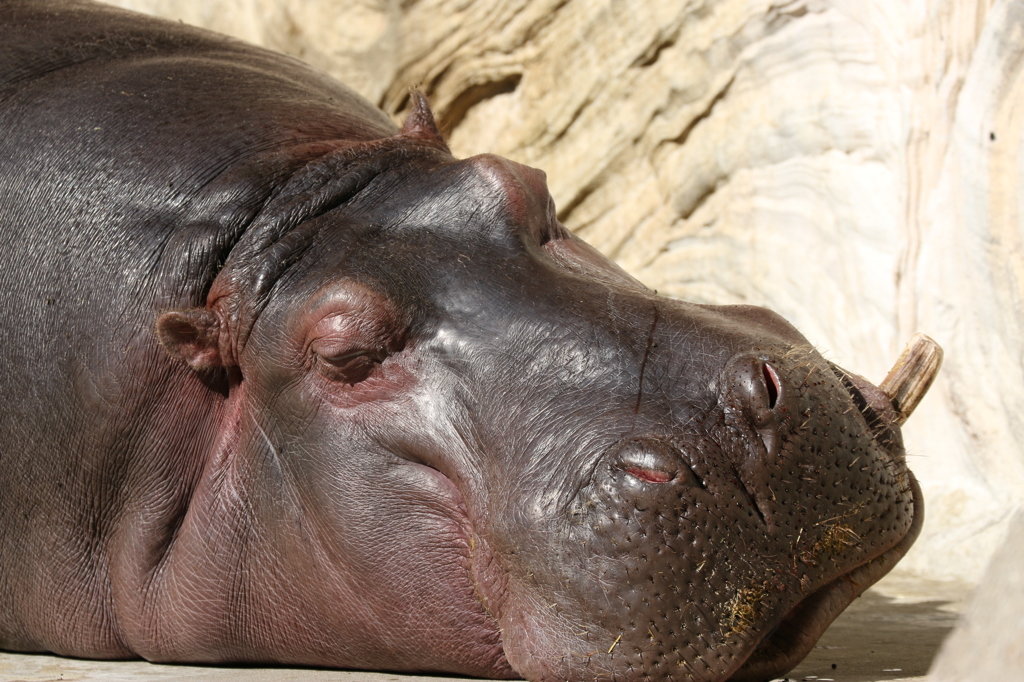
642	598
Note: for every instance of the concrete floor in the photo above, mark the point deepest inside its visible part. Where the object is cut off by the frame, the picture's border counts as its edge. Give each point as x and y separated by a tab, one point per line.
891	633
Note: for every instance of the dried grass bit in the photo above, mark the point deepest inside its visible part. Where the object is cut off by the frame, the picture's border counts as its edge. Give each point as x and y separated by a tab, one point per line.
745	608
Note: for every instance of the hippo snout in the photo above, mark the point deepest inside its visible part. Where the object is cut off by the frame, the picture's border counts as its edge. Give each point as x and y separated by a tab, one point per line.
694	540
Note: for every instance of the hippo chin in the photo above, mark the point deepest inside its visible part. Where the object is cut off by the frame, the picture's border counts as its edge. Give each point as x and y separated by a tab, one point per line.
285	384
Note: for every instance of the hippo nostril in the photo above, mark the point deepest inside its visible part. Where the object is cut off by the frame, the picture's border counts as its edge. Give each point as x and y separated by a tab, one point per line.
759	390
772	383
755	396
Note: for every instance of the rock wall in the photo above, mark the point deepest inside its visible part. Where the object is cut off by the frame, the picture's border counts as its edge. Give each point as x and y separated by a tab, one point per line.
853	164
986	644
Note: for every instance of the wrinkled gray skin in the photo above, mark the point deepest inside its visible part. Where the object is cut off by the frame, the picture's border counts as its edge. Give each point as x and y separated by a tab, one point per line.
285	384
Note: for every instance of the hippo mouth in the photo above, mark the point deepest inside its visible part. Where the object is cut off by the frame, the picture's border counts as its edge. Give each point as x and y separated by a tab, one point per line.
799	630
789	642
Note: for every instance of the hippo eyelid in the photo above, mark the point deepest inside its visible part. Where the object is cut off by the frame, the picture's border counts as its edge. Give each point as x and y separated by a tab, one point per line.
377	354
654	461
649	475
351	367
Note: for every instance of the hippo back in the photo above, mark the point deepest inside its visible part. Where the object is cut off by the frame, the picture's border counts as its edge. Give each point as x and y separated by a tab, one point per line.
134	154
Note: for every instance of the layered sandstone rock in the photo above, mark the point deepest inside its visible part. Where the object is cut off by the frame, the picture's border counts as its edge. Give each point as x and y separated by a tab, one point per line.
854	165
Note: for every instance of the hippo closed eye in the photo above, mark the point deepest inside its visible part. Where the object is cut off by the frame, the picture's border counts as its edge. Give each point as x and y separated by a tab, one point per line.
286	384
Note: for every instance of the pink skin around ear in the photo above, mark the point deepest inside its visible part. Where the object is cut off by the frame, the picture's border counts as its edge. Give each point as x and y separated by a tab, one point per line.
191	335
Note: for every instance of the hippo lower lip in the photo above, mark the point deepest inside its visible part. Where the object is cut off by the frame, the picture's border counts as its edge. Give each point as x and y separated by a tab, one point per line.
800	628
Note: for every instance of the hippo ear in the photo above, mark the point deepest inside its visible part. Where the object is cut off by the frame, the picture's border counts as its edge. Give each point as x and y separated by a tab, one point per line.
420	123
192	335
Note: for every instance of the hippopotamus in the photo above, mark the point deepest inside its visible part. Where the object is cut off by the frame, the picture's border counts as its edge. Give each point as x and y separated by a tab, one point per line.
285	383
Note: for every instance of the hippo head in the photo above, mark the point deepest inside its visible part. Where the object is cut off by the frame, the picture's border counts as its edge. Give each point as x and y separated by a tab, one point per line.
464	440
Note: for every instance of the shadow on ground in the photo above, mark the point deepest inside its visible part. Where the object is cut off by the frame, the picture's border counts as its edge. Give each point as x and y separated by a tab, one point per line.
879	638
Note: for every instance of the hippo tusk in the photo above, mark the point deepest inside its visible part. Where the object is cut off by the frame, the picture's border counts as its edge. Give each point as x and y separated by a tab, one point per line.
912	375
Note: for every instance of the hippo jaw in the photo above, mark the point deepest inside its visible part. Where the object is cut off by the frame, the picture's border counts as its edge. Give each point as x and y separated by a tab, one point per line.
792	640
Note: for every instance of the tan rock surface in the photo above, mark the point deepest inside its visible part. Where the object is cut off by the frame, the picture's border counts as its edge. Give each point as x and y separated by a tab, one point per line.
854	165
987	643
